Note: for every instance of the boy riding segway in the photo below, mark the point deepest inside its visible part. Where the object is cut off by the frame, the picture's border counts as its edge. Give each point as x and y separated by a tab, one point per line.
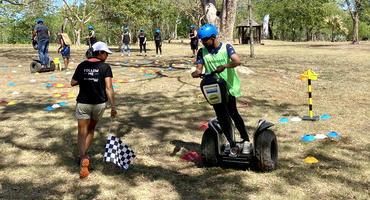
221	86
221	57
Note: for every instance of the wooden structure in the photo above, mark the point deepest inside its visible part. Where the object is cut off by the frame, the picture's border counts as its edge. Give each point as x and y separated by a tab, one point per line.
243	32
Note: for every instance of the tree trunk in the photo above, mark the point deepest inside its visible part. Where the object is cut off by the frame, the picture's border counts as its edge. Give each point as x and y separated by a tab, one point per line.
228	14
210	13
355	15
64	24
225	21
355	30
332	34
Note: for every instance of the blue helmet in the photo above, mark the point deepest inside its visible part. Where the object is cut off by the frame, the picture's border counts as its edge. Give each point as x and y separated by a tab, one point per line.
125	28
207	30
90	27
158	31
39	20
192	26
142	29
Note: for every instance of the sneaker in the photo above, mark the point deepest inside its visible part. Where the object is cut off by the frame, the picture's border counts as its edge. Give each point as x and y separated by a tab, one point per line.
84	168
227	148
145	54
234	151
247	147
156	55
160	55
128	55
122	55
78	160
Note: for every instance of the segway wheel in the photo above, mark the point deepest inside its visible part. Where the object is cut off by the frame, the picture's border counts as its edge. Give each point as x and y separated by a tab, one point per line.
52	66
35	67
208	148
266	151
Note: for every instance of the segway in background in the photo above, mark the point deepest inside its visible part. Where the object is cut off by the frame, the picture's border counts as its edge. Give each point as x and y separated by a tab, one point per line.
213	147
36	66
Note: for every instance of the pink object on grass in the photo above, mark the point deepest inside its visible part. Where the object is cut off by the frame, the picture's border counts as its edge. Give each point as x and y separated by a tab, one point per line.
191	155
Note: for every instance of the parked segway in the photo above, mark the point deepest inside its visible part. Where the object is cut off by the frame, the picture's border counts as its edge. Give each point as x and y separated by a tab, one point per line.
265	152
36	66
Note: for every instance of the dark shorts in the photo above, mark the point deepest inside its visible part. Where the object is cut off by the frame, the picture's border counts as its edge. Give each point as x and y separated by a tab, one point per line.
194	44
66	54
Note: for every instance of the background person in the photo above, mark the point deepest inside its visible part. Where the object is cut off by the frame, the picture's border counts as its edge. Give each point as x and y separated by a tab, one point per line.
64	49
142	41
91	37
125	41
94	78
223	58
158	43
43	37
193	40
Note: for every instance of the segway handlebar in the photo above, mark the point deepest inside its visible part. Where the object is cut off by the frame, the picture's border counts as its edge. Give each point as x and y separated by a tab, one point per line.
208	74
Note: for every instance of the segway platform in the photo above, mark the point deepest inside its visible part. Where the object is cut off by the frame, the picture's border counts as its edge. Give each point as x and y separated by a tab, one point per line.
264	155
36	66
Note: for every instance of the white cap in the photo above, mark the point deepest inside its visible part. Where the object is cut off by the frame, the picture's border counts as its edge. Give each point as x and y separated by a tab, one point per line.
101	46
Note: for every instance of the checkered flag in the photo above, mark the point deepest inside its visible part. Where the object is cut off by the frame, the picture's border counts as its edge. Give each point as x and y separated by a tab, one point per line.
118	152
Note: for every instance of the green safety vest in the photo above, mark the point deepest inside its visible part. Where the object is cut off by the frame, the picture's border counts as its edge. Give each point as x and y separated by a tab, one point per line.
211	62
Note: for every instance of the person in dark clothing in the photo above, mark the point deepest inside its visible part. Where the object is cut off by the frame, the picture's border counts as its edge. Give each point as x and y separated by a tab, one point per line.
222	57
43	37
142	41
158	43
193	40
125	41
91	38
94	78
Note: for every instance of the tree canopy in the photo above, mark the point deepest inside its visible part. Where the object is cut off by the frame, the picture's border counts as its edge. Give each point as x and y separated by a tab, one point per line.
293	20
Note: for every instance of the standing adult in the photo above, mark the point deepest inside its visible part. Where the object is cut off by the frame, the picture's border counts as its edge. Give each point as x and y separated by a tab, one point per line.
142	41
158	43
125	41
94	77
193	36
64	49
222	57
91	37
43	36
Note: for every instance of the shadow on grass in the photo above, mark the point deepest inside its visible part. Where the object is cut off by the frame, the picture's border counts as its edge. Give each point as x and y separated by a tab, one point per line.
201	186
145	113
48	190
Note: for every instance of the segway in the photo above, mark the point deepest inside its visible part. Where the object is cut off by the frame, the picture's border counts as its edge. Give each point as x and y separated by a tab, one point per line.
264	155
36	66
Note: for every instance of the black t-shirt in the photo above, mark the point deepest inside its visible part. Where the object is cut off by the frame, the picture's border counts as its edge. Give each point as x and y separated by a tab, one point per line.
93	38
42	32
142	38
91	79
126	37
157	37
192	33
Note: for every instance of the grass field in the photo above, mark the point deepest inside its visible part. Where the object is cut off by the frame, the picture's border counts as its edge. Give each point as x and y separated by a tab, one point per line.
159	118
